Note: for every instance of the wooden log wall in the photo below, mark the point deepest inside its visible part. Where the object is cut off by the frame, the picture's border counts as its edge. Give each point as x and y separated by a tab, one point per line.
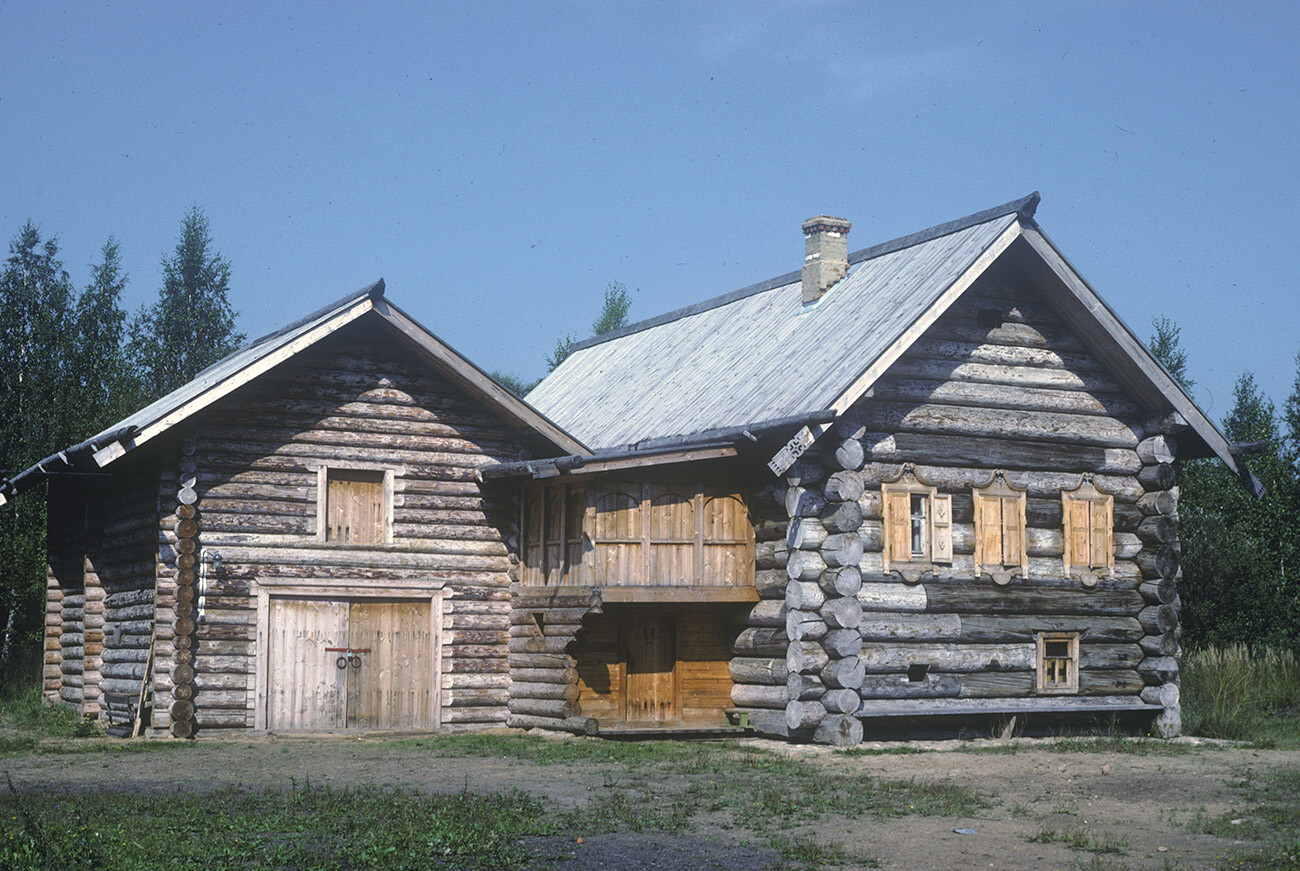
121	568
1018	392
65	592
356	397
543	683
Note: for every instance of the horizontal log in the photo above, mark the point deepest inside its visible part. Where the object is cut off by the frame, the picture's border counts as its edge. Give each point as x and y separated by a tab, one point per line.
1166	695
846	673
803	715
1082	429
768	612
956	598
770	583
985	629
525	690
841	549
805	657
804	595
1094	682
767	671
1157	449
545	675
1158	477
804	687
841	701
524	659
756	696
771	554
766	723
574	725
467	698
843	486
1019	397
561	708
1160	645
1157	670
1162	502
525	617
805	533
804	625
900	686
1037	484
761	641
474	716
842	613
552	645
840	643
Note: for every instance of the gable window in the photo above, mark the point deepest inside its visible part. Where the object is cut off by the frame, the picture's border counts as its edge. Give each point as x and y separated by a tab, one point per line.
918	522
1088	518
355	506
1058	662
1000	530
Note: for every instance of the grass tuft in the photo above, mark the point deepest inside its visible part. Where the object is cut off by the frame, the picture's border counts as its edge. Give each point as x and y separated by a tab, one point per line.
1240	694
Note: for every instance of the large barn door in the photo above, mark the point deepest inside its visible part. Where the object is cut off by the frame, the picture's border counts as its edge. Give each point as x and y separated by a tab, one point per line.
392	687
307	690
349	665
651	667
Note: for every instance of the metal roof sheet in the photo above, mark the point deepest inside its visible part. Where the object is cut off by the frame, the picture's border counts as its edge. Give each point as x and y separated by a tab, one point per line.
760	354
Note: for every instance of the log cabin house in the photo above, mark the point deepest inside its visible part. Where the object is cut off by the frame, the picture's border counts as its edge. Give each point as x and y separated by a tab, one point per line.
923	482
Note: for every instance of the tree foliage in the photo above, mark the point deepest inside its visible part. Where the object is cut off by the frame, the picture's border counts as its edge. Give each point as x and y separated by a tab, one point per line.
1239	554
192	325
613	316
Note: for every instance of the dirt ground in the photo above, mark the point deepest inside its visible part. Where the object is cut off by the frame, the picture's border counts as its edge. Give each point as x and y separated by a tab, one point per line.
1139	801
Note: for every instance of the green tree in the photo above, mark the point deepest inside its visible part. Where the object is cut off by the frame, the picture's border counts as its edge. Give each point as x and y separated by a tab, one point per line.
192	325
106	392
516	385
613	316
1167	348
1291	417
36	389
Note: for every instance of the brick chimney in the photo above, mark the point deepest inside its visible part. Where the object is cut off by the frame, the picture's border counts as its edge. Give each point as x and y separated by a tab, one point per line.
826	255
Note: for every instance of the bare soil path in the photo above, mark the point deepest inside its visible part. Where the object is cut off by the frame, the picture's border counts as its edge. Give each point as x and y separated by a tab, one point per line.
1045	807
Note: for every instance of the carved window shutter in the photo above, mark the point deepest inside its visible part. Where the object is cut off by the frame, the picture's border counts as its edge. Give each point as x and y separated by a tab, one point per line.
900	526
991	534
1013	525
1102	555
941	528
1078	532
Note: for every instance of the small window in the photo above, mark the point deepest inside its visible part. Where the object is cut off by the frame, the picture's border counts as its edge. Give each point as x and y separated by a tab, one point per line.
1058	662
356	507
920	550
918	521
1088	518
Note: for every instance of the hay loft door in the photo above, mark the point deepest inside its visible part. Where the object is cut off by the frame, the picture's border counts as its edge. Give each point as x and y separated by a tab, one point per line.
349	665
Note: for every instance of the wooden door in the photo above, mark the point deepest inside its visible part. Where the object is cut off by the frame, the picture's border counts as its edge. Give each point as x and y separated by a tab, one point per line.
393	686
307	690
650	684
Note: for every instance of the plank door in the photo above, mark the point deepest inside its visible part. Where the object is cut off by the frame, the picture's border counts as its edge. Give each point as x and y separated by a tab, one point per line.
306	688
650	686
393	686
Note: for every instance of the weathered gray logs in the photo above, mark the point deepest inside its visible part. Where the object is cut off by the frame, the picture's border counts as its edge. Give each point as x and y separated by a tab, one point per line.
1160	645
576	725
545	675
840	730
1163	502
849	455
768	671
842	516
842	642
1158	562
1024	600
841	581
844	486
804	687
1158	529
841	701
805	565
803	715
800	502
1165	695
805	657
1156	449
770	530
754	696
806	533
1008	629
804	596
1158	619
842	549
1158	592
891	597
846	673
1157	670
770	583
761	641
1158	477
565	692
561	708
804	625
842	613
771	554
768	723
523	659
805	472
768	612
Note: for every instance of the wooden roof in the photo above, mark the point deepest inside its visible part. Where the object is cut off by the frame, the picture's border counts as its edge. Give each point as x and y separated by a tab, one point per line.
759	354
242	366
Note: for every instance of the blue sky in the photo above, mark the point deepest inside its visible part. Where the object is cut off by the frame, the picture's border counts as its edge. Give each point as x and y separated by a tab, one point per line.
499	163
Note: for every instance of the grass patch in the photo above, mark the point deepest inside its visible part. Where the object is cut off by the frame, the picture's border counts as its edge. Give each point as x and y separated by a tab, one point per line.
1080	840
23	709
1274	820
1244	695
311	828
807	853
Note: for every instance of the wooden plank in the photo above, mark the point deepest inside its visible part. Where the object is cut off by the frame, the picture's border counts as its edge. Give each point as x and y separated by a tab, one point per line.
306	689
392	689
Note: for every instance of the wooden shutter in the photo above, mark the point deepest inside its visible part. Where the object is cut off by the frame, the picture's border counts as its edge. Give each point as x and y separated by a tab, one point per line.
1101	554
898	516
355	506
941	528
989	541
533	510
1078	532
1013	530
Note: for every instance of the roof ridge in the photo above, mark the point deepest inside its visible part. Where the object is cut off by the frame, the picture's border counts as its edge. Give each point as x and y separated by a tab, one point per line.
1024	207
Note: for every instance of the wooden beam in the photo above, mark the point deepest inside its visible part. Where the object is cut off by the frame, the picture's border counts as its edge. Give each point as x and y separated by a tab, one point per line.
678	595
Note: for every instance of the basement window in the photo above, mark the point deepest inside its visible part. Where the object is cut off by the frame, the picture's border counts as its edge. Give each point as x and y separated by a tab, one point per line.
1058	662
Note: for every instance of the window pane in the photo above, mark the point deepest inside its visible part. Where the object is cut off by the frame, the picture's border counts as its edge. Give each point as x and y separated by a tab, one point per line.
918	503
